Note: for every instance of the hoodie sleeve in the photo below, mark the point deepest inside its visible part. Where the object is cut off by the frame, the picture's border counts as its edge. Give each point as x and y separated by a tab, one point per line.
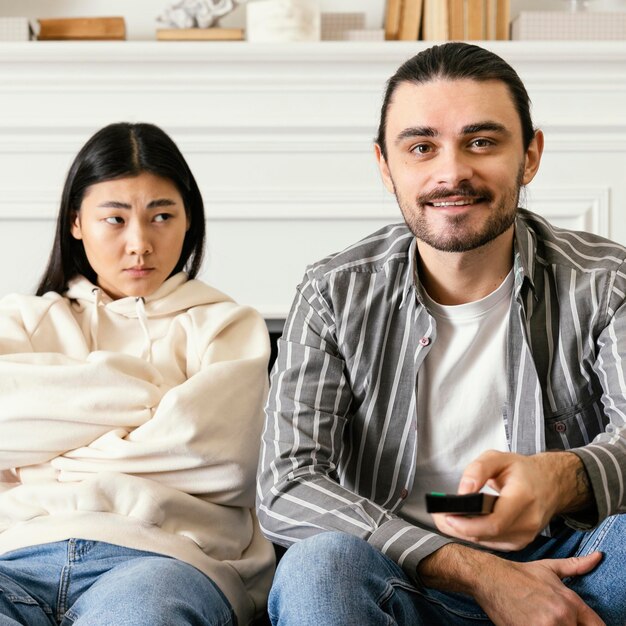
204	436
44	408
121	393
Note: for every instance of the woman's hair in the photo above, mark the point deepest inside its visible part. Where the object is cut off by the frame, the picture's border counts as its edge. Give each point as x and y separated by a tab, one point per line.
118	151
458	61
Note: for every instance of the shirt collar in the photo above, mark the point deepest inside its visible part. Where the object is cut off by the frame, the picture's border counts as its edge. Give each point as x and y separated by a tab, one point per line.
524	255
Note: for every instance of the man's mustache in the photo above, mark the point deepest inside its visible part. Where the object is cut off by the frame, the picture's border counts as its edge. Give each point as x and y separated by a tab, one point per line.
465	191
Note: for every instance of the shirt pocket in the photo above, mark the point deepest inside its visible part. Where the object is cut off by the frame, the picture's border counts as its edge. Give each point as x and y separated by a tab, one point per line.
575	426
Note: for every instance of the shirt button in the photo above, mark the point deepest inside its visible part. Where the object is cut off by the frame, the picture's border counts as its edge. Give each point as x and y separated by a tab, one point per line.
560	427
404	493
424	341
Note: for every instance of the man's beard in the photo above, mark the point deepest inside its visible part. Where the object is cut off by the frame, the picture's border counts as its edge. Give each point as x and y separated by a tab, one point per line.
458	236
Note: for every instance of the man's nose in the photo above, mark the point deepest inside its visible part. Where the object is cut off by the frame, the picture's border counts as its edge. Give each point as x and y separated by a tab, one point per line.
454	168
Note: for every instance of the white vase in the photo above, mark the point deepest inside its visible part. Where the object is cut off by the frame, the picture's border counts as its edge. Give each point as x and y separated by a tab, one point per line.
283	20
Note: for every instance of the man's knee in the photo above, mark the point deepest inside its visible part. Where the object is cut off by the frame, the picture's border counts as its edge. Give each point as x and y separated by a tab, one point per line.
327	552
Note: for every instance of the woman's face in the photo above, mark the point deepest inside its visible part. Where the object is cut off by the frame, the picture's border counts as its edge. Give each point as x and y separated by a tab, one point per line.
133	231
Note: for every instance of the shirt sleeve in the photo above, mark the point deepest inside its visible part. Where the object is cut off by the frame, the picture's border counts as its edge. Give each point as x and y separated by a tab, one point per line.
605	457
307	416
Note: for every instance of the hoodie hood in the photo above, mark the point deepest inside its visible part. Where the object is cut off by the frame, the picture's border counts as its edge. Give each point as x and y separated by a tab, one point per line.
176	295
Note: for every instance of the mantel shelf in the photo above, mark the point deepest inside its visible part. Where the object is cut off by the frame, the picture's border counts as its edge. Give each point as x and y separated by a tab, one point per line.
289	53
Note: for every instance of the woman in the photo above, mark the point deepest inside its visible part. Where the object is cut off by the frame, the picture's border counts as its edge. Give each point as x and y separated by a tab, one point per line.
131	403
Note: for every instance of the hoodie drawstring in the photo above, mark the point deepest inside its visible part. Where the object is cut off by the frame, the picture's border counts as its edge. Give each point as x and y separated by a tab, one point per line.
95	319
142	317
146	351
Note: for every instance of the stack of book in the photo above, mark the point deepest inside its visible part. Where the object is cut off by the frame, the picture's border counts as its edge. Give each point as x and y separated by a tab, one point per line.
447	20
82	28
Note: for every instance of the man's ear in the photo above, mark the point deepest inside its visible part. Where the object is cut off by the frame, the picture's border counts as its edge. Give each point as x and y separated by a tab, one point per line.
384	169
533	157
75	229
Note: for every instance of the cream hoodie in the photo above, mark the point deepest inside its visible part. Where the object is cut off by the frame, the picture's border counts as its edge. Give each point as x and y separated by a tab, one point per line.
137	423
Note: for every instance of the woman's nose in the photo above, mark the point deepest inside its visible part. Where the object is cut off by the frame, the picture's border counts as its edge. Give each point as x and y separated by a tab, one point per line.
138	242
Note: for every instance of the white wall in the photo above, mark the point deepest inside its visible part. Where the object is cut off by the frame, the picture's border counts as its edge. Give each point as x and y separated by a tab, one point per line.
280	140
141	14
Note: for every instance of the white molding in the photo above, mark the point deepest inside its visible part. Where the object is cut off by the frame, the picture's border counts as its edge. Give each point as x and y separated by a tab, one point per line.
584	208
358	67
226	205
580	208
280	140
271	139
203	140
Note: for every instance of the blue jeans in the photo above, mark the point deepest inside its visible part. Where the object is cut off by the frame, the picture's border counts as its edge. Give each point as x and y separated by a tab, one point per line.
93	583
340	580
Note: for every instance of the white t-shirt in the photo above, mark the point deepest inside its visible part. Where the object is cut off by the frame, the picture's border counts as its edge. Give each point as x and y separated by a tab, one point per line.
461	392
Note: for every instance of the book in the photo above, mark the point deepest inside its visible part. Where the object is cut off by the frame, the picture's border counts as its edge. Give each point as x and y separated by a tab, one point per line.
503	19
200	34
83	28
392	19
435	20
410	20
456	20
491	19
475	19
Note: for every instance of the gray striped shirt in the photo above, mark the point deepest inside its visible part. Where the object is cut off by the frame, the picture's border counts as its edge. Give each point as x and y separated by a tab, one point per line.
339	446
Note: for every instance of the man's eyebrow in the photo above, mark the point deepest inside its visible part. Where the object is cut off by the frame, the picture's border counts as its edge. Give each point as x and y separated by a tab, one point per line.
416	131
481	127
428	131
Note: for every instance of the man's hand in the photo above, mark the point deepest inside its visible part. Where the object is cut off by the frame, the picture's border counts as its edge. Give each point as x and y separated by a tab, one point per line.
533	489
513	594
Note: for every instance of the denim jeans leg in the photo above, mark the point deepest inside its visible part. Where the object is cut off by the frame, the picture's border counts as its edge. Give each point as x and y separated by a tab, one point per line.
28	585
140	589
19	607
336	579
604	588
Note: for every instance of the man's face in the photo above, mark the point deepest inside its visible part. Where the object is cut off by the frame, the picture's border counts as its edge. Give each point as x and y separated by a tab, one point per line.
456	161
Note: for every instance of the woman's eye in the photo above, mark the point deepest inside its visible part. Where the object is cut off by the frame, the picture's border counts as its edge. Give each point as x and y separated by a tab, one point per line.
114	219
162	217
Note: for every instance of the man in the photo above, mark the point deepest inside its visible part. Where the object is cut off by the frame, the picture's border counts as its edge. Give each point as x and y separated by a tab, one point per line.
477	346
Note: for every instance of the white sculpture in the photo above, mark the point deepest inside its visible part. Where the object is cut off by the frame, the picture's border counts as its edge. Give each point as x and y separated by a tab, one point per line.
194	13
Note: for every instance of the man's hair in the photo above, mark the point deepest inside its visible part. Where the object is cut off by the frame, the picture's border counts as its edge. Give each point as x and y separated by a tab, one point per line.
458	61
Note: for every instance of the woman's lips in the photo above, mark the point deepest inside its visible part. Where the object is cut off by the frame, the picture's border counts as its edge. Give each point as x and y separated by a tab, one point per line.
139	272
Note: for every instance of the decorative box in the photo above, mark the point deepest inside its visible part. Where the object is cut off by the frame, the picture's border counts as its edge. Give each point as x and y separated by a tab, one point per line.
547	25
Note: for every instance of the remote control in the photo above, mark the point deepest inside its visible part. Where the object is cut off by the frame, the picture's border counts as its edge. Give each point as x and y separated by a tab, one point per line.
468	504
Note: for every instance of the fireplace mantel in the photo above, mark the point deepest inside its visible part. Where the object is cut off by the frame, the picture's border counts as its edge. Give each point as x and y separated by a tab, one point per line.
280	140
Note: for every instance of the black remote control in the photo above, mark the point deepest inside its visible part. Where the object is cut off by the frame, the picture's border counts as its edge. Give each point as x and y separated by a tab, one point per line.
468	504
